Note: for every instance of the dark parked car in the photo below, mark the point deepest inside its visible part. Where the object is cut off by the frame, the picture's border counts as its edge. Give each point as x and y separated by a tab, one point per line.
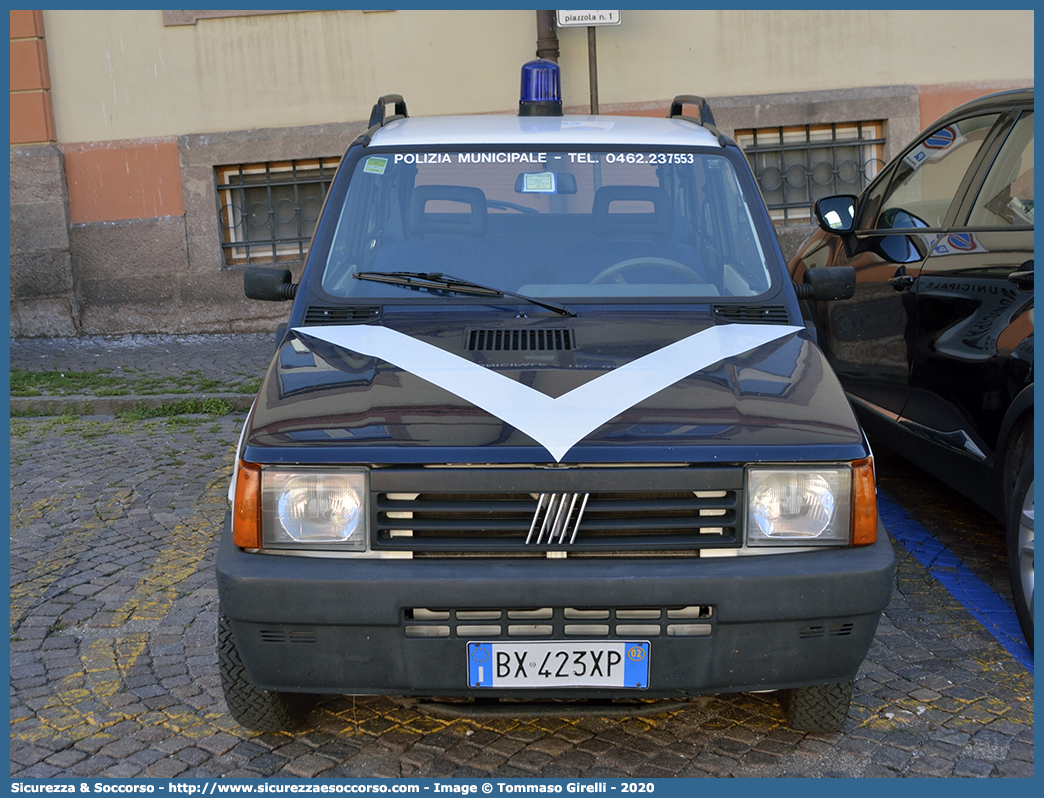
935	349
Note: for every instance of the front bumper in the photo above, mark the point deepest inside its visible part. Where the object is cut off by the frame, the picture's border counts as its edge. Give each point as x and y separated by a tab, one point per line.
323	625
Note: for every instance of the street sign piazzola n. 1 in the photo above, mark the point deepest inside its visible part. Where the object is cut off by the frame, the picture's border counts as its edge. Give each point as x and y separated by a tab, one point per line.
586	19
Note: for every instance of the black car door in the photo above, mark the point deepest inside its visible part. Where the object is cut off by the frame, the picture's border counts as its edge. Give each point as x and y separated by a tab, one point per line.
871	338
974	302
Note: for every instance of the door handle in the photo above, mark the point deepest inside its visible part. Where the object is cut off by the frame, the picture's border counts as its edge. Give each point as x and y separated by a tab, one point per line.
901	282
1022	279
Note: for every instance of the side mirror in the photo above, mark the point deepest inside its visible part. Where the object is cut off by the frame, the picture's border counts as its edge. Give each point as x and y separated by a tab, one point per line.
836	214
272	285
826	284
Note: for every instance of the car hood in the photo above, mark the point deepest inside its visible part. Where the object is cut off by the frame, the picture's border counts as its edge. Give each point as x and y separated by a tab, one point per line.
601	389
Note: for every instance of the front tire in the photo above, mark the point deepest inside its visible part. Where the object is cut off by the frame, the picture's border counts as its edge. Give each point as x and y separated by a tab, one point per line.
1020	547
819	708
252	707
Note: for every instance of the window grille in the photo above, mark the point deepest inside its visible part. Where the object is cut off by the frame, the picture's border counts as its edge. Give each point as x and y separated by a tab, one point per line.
267	211
797	165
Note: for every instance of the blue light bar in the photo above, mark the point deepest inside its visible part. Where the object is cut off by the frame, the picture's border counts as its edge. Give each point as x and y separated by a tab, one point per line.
541	91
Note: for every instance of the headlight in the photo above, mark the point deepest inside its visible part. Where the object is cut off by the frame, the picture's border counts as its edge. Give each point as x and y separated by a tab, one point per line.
799	506
314	509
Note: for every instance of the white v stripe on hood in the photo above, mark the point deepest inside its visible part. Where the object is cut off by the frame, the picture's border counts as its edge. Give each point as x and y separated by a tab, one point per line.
557	424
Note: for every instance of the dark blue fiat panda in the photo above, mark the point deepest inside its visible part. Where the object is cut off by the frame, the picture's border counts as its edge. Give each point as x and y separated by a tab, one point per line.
545	423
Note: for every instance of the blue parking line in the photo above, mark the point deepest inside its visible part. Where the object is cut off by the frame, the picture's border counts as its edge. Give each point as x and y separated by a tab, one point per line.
978	598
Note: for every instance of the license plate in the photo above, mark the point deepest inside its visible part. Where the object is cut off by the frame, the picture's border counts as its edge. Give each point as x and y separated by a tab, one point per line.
559	663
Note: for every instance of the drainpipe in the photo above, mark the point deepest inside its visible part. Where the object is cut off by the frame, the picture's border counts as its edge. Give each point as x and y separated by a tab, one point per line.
547	36
592	67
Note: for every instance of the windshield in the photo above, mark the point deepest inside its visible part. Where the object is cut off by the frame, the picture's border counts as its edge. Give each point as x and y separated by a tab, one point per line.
569	224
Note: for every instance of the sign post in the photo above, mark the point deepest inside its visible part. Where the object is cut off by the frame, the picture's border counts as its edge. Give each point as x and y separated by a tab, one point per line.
590	20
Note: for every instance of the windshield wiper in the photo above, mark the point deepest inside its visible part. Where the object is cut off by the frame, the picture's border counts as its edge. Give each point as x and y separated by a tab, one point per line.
444	282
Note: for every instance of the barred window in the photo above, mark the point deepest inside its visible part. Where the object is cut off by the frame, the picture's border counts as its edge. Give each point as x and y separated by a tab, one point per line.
797	165
267	211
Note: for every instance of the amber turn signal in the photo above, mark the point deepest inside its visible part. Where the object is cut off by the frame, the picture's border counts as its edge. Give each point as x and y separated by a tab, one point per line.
246	512
864	503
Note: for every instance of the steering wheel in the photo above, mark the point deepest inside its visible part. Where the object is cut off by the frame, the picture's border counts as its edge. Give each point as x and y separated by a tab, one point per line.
615	272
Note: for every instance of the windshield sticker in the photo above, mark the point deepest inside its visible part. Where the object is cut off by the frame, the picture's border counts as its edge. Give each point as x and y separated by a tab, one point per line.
556	424
539	183
375	165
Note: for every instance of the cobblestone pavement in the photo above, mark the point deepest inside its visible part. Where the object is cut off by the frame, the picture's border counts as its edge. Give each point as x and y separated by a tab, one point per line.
114	670
214	356
141	371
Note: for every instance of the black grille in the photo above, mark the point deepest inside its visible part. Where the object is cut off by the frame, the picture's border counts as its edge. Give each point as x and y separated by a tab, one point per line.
347	314
283	636
611	521
561	623
655	511
825	630
752	314
520	340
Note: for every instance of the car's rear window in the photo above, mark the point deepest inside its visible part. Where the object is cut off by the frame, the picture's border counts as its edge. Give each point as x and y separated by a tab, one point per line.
580	223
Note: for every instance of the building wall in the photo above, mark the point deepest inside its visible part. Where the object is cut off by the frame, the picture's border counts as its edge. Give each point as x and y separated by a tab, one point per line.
147	103
126	75
42	281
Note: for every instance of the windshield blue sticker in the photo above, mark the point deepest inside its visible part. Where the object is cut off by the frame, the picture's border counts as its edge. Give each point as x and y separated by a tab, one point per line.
557	424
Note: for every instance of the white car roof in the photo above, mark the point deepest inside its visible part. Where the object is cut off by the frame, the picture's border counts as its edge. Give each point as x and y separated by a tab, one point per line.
542	131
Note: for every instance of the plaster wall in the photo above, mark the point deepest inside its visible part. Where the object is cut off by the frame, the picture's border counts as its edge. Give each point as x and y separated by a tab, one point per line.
124	74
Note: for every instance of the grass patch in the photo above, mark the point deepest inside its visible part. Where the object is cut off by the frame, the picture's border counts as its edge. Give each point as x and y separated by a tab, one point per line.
142	421
64	424
62	420
70	409
210	407
105	382
57	383
56	627
188	422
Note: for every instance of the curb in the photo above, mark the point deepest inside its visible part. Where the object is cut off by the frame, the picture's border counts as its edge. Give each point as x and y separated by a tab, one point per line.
110	405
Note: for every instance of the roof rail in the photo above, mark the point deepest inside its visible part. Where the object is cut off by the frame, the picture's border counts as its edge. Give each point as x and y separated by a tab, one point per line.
706	117
398	104
378	119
